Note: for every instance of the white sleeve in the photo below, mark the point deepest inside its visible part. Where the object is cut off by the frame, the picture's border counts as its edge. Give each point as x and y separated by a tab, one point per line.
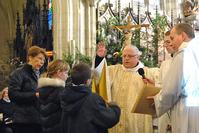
171	86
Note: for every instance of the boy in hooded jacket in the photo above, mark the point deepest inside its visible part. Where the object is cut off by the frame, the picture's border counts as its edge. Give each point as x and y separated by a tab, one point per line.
82	110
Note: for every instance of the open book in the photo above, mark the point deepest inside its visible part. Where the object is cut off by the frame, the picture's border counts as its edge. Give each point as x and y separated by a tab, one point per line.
142	104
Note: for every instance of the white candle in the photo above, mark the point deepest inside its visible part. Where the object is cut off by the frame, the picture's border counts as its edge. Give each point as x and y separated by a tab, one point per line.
73	48
69	47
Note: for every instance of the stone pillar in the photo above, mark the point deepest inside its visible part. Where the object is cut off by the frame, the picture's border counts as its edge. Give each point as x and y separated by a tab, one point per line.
61	24
72	23
57	27
88	29
91	28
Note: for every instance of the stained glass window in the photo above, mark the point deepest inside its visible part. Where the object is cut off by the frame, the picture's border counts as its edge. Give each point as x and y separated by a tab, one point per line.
50	14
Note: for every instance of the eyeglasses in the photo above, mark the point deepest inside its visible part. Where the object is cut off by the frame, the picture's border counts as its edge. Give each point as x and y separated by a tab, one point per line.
129	56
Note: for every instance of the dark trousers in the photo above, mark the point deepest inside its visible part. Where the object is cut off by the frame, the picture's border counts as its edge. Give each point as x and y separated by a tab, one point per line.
27	128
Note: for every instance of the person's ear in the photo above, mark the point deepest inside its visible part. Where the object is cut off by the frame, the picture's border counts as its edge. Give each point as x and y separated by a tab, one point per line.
29	58
138	57
184	36
58	73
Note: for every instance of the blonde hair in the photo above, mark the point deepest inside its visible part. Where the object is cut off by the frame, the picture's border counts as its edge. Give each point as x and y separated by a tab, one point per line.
55	66
3	92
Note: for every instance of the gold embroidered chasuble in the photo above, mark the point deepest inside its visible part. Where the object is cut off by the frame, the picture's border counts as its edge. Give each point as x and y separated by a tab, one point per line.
126	85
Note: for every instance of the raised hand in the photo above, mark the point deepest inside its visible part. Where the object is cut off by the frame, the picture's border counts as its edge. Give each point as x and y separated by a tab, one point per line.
101	50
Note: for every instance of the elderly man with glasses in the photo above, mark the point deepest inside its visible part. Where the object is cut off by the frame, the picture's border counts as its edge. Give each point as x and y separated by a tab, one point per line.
126	84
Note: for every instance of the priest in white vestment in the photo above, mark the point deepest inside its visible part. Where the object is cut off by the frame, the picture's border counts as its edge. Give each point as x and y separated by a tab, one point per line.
181	91
126	85
164	120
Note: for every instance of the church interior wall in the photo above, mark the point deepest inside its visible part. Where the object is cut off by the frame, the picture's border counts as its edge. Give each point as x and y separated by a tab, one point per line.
8	10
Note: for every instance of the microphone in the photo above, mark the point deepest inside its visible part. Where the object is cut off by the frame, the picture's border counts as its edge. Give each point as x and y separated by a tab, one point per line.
141	72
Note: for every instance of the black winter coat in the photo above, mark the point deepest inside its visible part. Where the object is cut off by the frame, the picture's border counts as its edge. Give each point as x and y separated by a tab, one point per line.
85	112
50	107
6	108
22	88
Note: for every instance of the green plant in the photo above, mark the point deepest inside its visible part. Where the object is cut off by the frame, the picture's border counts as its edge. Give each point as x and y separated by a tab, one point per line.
83	58
114	39
105	29
111	37
68	58
79	57
159	25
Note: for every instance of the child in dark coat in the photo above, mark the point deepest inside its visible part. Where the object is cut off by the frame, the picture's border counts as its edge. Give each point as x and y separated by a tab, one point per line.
49	96
6	110
82	110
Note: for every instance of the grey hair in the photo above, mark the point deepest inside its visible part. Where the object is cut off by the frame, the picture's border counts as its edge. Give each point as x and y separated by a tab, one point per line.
137	50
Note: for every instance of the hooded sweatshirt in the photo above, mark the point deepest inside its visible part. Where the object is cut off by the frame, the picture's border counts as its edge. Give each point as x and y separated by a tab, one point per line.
85	112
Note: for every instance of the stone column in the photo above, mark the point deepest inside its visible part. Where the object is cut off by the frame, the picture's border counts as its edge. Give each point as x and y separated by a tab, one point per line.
71	23
61	17
91	30
56	27
88	29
